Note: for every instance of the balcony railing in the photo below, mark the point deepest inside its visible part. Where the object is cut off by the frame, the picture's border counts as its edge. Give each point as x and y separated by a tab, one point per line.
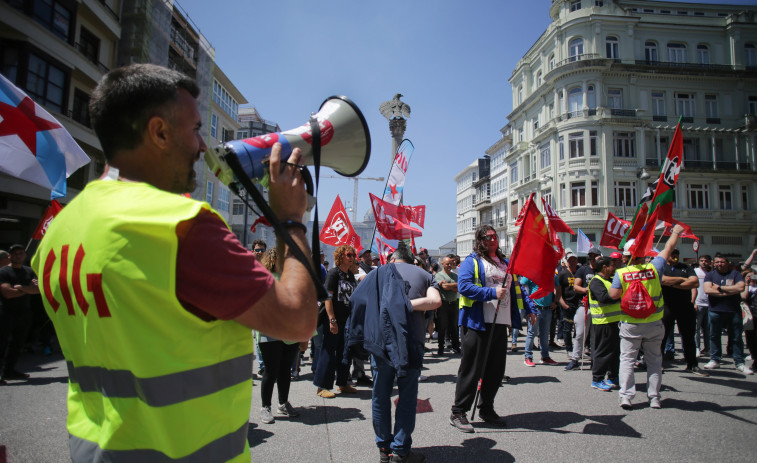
576	58
672	64
623	112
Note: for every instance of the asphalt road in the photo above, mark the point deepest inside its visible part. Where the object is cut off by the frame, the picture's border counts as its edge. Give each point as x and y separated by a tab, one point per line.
552	415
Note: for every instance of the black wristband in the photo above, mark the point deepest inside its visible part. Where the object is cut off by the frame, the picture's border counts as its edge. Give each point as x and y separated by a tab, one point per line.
293	223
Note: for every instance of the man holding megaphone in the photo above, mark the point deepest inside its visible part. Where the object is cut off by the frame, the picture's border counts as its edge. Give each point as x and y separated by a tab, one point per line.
159	348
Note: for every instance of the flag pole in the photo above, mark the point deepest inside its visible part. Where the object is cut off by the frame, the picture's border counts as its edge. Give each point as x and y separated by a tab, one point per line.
486	352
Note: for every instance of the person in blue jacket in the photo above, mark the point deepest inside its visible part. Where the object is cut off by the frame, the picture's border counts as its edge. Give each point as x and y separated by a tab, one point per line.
485	287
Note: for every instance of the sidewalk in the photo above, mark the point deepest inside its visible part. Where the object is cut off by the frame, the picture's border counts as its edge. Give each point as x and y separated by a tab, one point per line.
552	414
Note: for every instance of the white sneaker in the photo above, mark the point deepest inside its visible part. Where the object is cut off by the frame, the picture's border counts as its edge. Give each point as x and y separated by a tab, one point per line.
654	402
698	352
711	365
625	403
744	369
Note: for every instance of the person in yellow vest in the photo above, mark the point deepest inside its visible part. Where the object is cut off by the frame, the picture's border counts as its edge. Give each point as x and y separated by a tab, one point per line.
605	315
642	333
152	296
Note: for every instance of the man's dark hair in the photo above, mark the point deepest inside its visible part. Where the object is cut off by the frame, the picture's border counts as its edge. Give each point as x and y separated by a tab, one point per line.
706	256
721	256
128	97
404	254
480	246
259	243
451	256
602	262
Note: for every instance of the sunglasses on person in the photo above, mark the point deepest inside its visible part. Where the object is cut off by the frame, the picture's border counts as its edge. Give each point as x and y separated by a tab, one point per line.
258	250
491	237
351	254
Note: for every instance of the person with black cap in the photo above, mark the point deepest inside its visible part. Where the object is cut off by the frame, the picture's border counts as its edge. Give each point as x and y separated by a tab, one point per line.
581	287
17	283
679	290
365	261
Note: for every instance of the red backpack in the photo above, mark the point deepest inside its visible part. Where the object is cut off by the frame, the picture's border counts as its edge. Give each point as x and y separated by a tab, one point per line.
637	302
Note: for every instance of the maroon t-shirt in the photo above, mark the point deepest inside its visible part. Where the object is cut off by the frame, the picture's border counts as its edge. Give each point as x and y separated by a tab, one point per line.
216	277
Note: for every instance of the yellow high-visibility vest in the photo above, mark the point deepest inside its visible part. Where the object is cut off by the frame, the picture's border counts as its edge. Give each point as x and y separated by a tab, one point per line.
652	285
148	381
602	313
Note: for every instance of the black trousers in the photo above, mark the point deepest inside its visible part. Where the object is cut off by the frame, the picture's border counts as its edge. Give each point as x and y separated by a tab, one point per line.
16	324
447	324
567	324
685	315
472	365
605	350
278	358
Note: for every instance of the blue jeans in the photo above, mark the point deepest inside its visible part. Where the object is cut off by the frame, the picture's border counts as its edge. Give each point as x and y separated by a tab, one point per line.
543	320
735	325
381	403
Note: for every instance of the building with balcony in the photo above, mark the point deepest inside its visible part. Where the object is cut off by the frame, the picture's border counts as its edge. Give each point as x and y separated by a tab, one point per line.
595	103
56	51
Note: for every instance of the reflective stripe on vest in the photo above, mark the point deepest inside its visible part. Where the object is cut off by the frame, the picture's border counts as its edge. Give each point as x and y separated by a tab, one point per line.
225	448
146	375
160	391
653	287
603	313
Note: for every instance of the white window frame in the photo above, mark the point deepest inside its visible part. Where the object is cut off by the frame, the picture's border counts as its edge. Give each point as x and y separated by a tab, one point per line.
703	54
650	52
576	48
209	193
615	98
213	126
711	105
698	195
750	54
658	103
625	190
685	104
223	199
545	155
576	145
612	47
676	52
624	144
578	194
725	194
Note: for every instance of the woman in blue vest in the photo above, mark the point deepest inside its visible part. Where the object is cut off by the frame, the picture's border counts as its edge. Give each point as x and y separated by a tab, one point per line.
485	288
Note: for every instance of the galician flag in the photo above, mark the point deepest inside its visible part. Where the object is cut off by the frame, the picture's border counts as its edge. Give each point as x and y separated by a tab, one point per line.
33	145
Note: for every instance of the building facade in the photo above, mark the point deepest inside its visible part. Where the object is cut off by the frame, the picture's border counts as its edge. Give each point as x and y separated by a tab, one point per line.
58	50
595	103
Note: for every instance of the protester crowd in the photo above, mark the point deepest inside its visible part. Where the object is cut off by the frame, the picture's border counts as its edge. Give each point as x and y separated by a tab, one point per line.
179	384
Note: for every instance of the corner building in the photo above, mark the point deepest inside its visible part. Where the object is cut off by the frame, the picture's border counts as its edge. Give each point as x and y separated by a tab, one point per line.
595	103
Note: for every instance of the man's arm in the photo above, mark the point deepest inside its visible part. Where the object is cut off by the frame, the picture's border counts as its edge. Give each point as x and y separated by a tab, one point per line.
578	288
600	292
749	261
670	245
13	292
432	301
691	282
288	310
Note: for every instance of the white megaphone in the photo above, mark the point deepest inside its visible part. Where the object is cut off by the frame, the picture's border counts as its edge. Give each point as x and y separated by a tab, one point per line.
345	144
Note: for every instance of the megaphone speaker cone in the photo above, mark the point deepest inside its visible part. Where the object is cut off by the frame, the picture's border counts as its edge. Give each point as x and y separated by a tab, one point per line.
345	144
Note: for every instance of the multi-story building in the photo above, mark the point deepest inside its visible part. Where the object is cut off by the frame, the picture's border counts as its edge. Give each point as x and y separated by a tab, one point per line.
251	124
56	52
595	103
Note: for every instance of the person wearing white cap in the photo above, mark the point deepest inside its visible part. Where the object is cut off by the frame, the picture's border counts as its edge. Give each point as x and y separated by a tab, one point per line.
581	287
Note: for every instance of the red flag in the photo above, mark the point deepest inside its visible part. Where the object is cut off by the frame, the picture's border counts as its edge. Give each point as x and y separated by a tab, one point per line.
50	213
415	214
638	222
555	222
534	255
522	213
262	220
645	239
391	220
686	233
412	245
383	249
337	229
615	230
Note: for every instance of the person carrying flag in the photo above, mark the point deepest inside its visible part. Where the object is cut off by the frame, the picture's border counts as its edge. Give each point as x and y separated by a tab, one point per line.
642	328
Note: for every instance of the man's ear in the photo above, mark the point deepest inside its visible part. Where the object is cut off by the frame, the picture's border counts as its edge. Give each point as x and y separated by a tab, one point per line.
157	132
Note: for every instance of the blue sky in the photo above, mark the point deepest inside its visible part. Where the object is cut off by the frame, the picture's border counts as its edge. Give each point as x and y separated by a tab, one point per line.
450	60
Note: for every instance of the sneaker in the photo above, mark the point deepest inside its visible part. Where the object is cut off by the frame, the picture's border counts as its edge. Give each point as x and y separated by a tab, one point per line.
711	365
699	352
409	458
572	365
612	382
744	369
456	350
547	361
347	389
696	371
460	422
491	417
529	362
385	455
600	385
325	394
625	403
422	378
266	416
554	345
654	402
286	409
